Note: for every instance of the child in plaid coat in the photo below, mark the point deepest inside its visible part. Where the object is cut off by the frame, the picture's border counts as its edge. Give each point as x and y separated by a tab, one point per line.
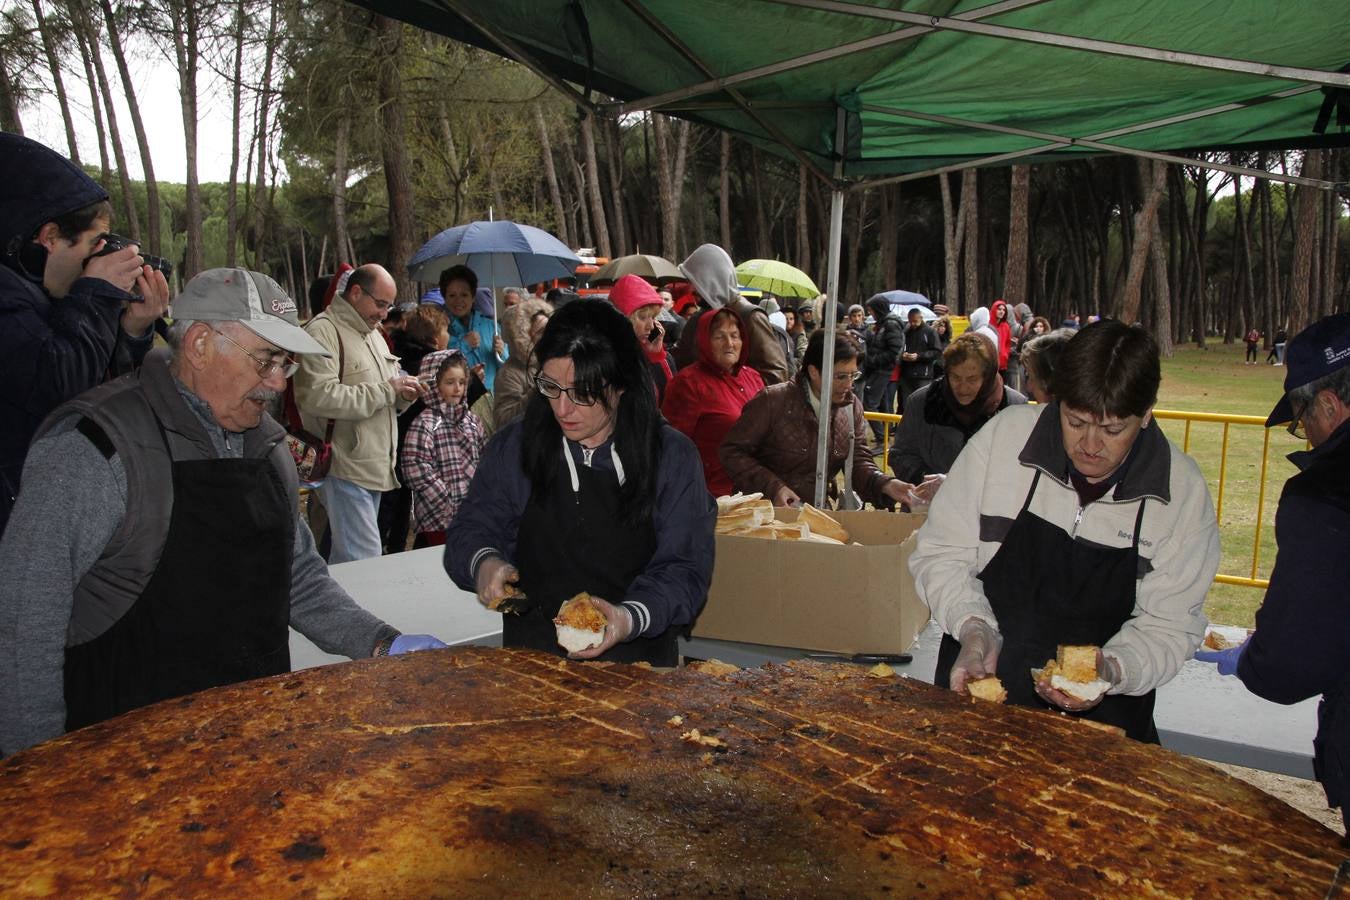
443	447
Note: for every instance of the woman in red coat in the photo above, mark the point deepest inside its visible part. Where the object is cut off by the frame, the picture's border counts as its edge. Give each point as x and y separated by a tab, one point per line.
998	320
704	400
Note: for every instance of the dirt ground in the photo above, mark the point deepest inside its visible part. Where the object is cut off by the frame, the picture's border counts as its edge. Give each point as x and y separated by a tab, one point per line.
1305	796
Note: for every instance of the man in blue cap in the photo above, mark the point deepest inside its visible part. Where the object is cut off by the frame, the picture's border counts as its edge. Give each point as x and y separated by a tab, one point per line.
1301	647
66	311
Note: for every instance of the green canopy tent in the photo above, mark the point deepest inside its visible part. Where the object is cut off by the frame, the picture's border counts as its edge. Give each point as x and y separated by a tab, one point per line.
896	91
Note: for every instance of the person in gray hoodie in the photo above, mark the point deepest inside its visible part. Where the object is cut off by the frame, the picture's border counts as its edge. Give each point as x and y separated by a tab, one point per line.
712	274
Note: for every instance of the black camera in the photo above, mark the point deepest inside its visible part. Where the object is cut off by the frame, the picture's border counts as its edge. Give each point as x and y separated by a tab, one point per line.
114	242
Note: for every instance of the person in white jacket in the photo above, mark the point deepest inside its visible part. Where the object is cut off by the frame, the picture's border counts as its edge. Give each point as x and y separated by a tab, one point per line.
1073	522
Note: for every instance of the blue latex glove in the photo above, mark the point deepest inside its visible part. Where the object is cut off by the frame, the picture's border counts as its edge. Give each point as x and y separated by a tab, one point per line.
411	643
1227	659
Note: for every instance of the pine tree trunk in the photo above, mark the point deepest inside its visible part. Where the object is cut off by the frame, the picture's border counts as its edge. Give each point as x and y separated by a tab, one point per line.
394	151
80	28
342	139
970	203
763	243
551	177
602	241
153	239
260	208
853	241
803	260
1307	204
953	235
232	189
183	14
888	237
724	194
1152	178
44	31
1015	273
614	166
677	178
10	119
585	235
665	187
133	225
700	217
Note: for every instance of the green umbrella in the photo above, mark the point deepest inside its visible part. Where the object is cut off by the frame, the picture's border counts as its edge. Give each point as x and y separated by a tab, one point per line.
655	269
777	278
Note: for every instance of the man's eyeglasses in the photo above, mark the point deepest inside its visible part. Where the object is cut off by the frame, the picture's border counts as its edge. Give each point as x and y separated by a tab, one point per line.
1296	424
379	304
552	390
268	364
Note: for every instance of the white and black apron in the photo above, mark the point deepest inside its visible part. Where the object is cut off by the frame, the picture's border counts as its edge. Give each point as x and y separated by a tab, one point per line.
1047	589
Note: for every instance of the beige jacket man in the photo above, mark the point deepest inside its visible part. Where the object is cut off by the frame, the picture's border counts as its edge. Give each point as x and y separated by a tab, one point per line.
363	402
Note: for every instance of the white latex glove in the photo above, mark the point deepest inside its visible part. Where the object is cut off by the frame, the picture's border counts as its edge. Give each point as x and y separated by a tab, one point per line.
494	574
619	624
980	645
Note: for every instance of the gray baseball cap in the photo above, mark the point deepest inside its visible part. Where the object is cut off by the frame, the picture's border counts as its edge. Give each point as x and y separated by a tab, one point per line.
249	298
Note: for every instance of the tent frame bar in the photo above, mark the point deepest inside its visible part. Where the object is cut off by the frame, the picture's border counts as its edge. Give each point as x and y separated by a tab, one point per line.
1109	48
685	51
828	314
713	85
1058	142
519	54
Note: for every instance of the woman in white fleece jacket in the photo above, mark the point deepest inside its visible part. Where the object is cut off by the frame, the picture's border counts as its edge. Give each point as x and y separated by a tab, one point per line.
1074	522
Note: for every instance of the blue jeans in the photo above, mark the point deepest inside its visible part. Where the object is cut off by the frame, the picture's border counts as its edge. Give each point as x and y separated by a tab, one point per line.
353	519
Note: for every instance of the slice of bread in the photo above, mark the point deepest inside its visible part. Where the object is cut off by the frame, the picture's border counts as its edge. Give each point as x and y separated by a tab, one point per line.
989	688
790	531
1077	663
820	523
580	625
738	518
727	502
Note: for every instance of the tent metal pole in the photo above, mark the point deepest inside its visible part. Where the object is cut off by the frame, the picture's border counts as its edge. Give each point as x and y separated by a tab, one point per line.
684	50
515	51
1059	142
1109	48
829	312
712	85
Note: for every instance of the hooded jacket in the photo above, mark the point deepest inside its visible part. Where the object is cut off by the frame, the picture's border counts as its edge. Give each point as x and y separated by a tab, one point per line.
1003	329
713	277
703	401
441	453
362	402
979	323
774	445
885	341
512	387
50	350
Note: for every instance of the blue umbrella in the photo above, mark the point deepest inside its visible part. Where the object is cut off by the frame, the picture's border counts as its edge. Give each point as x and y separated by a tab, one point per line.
907	298
500	253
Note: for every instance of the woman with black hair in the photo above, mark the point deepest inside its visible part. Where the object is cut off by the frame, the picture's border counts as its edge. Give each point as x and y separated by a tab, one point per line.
589	491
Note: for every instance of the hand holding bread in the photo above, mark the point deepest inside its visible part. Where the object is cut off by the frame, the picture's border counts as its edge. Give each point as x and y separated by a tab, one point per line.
978	658
1077	679
496	581
588	626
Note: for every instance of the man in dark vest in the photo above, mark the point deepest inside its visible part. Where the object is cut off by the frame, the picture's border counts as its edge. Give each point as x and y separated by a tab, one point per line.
1301	647
156	548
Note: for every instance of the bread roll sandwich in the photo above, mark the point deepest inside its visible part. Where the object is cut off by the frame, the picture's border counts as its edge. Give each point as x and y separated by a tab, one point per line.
1216	641
1074	671
820	523
988	688
580	625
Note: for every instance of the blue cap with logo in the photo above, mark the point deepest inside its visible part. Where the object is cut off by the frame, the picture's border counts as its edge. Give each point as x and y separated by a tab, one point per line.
1315	352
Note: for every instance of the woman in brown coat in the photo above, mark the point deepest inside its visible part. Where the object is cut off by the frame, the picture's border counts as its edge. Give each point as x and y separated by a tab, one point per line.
772	448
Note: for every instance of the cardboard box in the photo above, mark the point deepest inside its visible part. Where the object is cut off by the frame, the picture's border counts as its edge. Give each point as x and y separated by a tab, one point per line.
851	599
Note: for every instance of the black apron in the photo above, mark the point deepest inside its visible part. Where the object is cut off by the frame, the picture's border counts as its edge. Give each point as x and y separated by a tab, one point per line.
571	542
1047	589
217	608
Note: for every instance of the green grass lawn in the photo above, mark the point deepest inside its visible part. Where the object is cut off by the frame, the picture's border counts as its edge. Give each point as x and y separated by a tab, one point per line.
1215	380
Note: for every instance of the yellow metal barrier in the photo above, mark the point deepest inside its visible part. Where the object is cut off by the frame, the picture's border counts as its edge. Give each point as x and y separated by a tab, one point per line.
889	422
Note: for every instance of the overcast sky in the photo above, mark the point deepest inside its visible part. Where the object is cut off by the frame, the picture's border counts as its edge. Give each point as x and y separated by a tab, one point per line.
156	82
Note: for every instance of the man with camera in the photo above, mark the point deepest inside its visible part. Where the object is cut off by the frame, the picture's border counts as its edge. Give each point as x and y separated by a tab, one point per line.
75	306
157	548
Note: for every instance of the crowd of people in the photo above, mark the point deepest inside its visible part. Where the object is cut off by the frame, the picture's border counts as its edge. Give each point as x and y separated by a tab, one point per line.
556	445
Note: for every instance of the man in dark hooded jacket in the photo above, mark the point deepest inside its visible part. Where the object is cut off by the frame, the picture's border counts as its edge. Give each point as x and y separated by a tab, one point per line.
65	317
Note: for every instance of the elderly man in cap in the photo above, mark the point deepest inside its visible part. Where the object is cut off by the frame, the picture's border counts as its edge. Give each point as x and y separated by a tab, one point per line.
712	275
156	547
1301	647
